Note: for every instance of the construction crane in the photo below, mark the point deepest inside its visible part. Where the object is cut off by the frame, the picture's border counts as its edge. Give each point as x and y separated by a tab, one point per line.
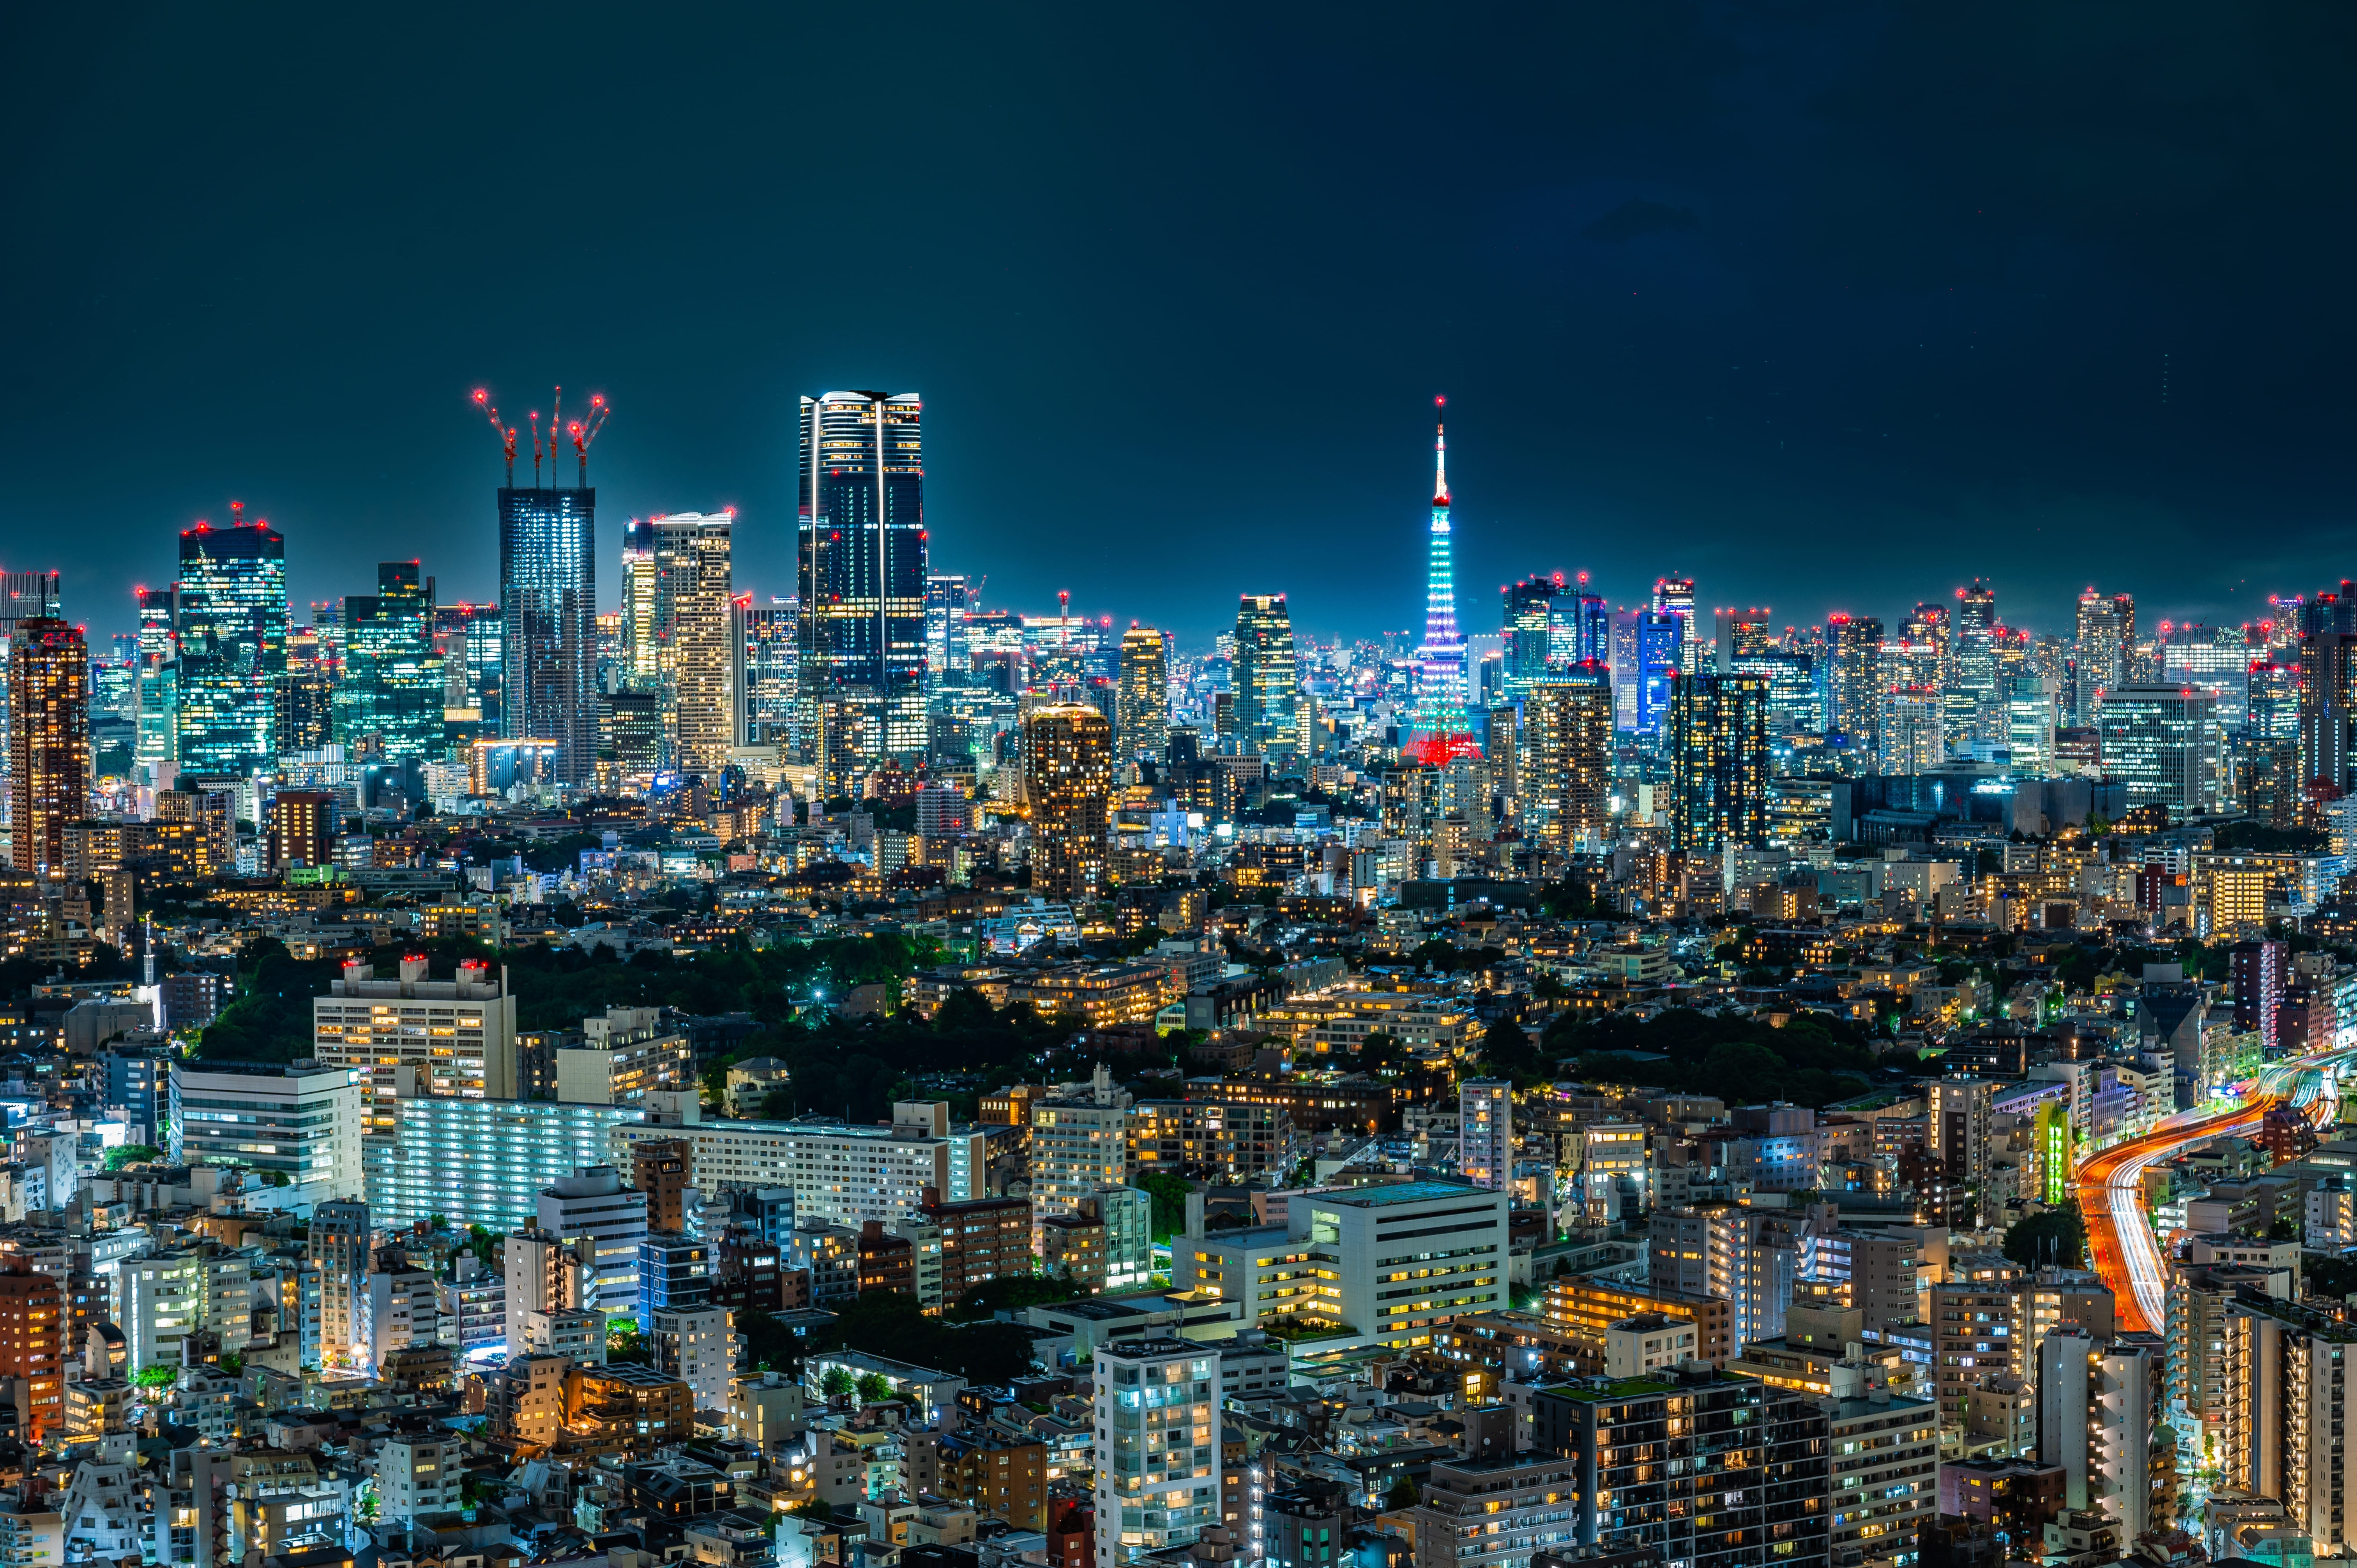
583	433
507	436
534	417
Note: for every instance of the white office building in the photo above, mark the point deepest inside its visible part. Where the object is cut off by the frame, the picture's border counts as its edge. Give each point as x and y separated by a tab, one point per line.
302	1121
595	1204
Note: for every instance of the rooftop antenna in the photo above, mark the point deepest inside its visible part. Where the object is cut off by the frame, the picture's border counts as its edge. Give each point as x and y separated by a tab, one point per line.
507	436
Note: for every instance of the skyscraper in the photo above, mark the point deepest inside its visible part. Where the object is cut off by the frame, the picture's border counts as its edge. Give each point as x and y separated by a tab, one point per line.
23	596
2106	643
1853	679
1267	680
696	655
1142	716
1567	762
468	639
2162	742
862	571
392	686
232	639
49	741
1719	762
1441	732
1676	596
949	607
641	663
1646	655
772	639
1068	787
548	613
156	751
1528	628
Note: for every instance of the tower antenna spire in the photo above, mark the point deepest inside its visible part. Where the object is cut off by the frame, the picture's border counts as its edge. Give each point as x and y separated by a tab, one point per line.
1440	452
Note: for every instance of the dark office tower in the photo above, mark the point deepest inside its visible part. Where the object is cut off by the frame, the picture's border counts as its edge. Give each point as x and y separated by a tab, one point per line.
232	635
1582	627
306	718
1853	679
392	686
862	571
1719	762
2258	970
2327	696
1267	678
1528	622
49	741
548	622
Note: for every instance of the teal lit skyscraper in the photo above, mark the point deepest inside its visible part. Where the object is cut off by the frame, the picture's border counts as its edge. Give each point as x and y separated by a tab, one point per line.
548	613
232	645
1267	680
393	685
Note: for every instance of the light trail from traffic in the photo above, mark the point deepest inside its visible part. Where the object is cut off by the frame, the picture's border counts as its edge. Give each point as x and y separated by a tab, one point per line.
2120	1243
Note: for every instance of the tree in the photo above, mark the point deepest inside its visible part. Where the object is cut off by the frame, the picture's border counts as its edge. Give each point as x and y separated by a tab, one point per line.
1402	1495
2057	1237
1170	1194
838	1381
874	1388
132	1154
156	1376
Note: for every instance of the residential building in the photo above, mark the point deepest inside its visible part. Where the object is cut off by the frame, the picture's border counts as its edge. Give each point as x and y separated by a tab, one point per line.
416	1035
1156	1413
300	1121
593	1203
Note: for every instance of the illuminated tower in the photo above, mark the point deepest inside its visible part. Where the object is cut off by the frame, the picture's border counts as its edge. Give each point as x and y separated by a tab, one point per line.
1441	733
49	740
862	574
233	638
641	663
698	655
1068	786
392	686
1267	679
1142	709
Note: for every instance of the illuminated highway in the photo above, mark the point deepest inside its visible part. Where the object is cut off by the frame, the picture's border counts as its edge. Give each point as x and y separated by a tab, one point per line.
2120	1243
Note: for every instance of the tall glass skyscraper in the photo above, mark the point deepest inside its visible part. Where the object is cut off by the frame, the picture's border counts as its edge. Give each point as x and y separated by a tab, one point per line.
772	662
1267	679
949	657
698	659
548	614
393	685
233	641
861	572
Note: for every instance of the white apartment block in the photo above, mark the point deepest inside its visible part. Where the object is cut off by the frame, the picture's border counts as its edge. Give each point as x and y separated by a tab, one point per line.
842	1175
1157	1447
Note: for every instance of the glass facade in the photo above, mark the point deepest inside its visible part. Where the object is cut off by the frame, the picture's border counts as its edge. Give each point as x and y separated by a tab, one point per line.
231	634
1719	762
861	575
393	684
548	611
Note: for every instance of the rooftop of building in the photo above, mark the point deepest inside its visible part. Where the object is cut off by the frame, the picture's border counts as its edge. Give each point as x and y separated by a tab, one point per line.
1399	1194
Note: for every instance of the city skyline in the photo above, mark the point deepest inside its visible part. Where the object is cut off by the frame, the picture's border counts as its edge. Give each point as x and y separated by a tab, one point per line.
1733	292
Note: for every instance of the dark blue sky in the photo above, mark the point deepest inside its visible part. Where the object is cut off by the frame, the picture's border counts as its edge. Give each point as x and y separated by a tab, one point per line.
1829	306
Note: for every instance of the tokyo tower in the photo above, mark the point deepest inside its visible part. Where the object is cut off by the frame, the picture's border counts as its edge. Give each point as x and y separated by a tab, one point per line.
1440	733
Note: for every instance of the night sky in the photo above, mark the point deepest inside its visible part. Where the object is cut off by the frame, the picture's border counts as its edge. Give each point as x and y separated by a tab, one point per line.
1831	307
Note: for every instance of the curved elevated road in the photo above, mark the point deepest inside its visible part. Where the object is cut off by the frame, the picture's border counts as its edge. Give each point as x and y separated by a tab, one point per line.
2120	1243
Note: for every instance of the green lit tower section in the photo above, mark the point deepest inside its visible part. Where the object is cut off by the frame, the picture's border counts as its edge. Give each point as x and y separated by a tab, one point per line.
393	685
232	645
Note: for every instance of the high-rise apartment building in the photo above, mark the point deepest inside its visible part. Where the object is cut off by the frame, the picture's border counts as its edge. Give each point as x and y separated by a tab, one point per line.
2105	650
2033	705
1485	1131
393	685
772	659
862	577
23	597
548	613
2289	1380
697	654
1566	759
232	633
1068	786
1719	762
414	1035
2099	1402
1912	736
49	741
1142	711
1157	1446
1267	680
